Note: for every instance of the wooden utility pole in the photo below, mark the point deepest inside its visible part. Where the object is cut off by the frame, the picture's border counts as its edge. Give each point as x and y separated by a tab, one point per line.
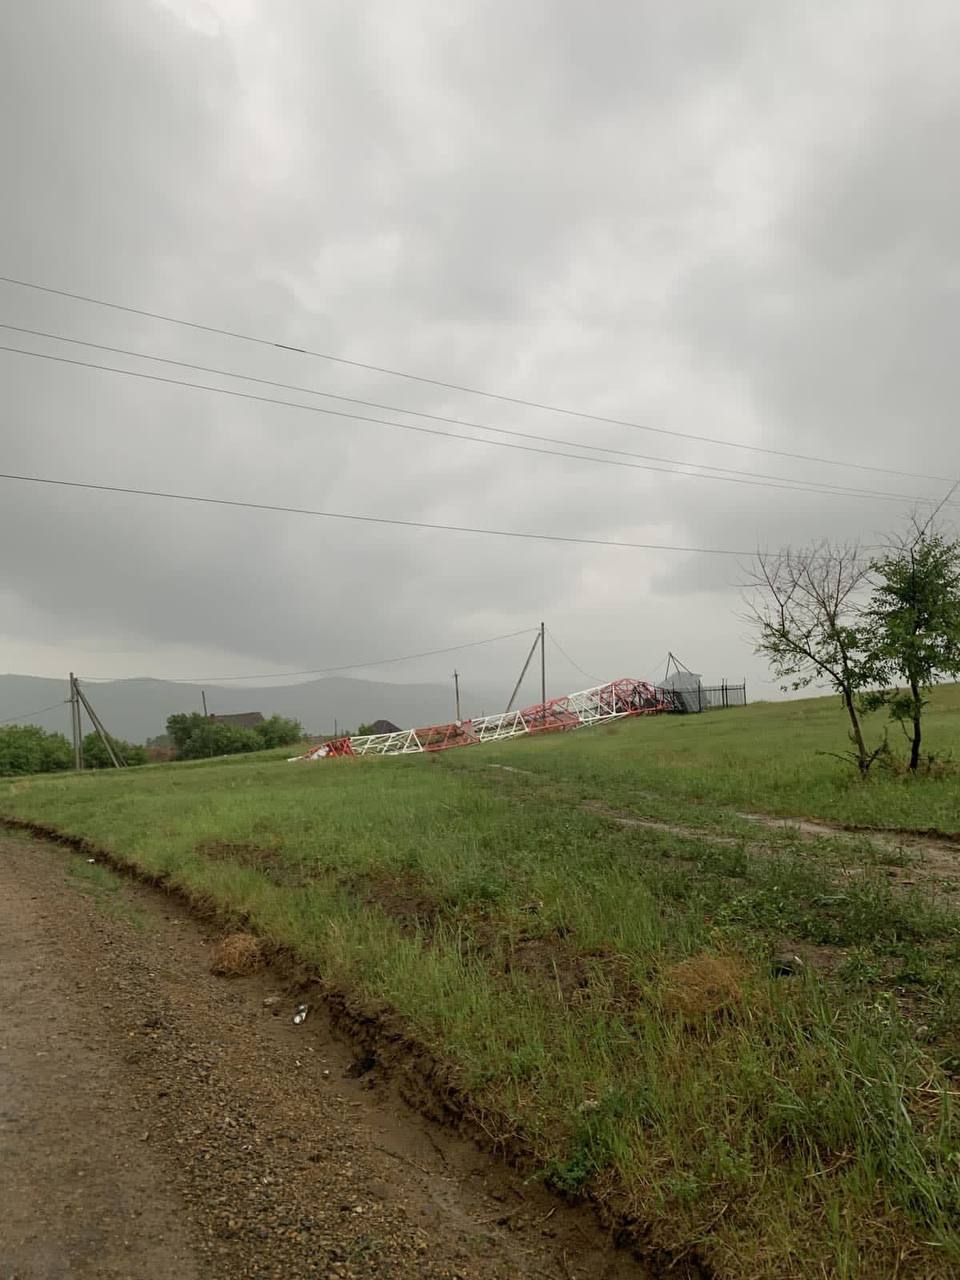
516	687
97	723
76	727
203	699
456	685
543	663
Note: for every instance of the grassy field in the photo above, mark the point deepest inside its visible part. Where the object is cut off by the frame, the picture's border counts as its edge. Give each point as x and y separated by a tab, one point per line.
776	757
603	993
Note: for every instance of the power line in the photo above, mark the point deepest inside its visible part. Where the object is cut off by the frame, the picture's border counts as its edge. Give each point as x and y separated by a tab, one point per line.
791	486
39	712
652	679
322	671
340	515
723	472
452	386
556	642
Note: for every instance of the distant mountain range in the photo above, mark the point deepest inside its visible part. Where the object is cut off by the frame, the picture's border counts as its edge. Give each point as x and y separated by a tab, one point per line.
137	709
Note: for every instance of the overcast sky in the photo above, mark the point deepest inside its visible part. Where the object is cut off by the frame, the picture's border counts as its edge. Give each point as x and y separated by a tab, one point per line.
737	220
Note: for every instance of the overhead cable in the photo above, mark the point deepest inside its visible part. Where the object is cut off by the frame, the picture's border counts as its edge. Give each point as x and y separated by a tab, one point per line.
576	665
722	472
322	671
366	519
453	386
792	487
25	715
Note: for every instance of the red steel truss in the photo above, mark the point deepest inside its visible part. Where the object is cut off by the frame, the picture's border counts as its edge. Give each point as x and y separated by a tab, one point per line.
591	706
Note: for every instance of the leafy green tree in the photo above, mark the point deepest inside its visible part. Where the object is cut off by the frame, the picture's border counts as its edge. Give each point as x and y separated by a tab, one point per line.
278	731
182	726
95	753
57	753
197	737
25	748
913	623
212	739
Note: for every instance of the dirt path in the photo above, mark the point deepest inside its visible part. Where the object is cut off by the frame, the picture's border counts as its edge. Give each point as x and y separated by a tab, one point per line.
932	865
157	1122
937	858
81	1195
936	862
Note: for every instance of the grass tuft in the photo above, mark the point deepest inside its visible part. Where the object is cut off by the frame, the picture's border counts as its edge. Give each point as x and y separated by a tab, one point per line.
704	985
236	955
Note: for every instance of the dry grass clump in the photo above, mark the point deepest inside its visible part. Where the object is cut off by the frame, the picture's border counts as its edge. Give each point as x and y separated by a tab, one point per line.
235	955
704	985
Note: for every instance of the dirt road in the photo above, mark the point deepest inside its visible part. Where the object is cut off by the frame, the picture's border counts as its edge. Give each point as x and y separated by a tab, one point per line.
158	1122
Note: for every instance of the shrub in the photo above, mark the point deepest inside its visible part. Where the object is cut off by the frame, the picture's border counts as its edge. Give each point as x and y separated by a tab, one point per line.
95	753
198	737
278	731
25	748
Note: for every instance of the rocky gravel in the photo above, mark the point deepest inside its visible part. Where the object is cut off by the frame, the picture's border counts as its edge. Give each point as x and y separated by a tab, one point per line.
158	1121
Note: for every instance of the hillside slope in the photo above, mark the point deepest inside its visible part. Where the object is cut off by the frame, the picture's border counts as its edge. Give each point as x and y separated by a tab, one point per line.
740	1038
138	709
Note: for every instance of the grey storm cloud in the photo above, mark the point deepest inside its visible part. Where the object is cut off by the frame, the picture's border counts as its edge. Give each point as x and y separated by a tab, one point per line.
735	221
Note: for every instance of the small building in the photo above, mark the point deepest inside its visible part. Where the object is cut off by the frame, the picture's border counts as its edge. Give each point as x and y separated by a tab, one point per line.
691	694
687	690
240	719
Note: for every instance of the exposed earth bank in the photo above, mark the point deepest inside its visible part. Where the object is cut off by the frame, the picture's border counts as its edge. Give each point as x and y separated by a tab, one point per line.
159	1122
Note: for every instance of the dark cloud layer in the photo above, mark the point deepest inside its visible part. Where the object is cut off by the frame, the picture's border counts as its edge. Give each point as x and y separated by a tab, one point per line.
736	221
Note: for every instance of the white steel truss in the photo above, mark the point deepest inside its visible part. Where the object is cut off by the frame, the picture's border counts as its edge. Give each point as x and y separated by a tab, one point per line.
590	706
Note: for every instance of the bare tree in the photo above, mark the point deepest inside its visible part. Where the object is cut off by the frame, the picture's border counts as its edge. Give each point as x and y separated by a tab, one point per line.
804	605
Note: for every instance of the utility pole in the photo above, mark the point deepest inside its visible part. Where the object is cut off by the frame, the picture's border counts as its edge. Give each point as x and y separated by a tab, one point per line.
456	685
76	727
97	723
516	687
543	664
203	699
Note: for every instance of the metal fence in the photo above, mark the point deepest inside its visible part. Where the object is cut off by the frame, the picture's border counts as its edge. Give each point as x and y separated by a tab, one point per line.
709	697
713	696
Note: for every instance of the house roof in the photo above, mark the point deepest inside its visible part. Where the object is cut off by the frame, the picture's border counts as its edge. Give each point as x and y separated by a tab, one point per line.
240	719
383	726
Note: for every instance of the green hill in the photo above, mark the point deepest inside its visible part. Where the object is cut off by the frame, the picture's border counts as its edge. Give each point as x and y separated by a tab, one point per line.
741	1039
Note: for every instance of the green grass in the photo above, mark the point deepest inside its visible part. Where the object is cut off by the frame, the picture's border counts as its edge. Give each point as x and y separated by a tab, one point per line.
773	757
602	993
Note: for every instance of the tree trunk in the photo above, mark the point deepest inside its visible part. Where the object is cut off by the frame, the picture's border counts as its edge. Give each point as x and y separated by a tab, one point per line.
856	733
915	742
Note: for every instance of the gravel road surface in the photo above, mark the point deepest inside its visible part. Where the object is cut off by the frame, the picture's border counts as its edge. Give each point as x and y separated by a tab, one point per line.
158	1122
